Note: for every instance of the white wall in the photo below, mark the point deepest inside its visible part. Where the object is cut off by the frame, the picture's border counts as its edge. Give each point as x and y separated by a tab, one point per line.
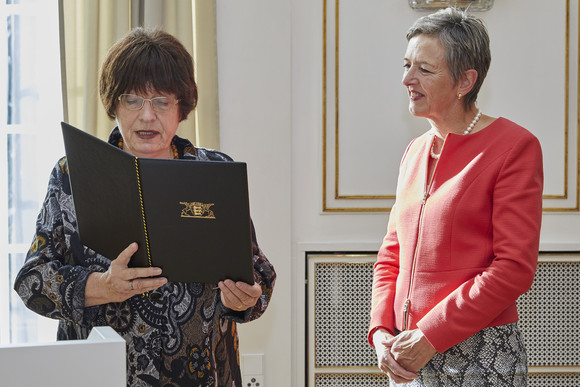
254	61
271	115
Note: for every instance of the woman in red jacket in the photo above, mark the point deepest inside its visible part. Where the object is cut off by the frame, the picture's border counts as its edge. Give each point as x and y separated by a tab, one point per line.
463	236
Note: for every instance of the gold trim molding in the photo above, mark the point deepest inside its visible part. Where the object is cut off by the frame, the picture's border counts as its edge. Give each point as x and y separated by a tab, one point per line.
325	146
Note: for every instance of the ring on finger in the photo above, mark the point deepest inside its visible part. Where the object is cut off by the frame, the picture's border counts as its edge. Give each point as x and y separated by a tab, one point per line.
131	285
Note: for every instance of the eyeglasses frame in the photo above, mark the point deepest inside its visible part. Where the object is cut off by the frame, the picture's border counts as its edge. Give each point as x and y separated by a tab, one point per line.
147	99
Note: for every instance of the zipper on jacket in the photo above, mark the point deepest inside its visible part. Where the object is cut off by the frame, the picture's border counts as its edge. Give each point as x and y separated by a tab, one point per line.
406	313
407	304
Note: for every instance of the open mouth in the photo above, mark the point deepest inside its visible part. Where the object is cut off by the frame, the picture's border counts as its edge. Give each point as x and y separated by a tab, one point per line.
414	94
146	133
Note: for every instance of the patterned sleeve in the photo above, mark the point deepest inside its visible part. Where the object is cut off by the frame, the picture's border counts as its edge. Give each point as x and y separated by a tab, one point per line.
53	279
264	275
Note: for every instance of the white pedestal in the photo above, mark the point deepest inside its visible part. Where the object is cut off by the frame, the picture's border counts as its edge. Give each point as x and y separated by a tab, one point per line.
98	361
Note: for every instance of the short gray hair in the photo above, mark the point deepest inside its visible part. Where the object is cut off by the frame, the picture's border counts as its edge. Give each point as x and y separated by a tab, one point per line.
465	40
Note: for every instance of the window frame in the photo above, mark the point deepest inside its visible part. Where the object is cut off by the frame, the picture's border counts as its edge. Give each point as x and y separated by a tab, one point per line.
37	144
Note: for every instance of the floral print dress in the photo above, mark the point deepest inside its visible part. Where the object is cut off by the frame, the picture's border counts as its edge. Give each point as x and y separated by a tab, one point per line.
183	337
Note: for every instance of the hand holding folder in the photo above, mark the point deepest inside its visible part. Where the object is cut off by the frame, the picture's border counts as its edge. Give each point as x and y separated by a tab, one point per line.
191	218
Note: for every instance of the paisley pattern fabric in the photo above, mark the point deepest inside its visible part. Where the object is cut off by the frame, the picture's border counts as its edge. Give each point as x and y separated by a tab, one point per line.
186	337
494	356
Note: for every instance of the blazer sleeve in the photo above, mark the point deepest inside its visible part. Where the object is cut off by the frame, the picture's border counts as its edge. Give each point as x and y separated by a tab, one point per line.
385	273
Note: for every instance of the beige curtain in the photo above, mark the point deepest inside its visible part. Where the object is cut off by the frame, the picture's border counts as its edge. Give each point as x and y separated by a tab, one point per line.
90	27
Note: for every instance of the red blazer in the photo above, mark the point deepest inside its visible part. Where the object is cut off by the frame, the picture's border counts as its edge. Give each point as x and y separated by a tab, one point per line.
464	252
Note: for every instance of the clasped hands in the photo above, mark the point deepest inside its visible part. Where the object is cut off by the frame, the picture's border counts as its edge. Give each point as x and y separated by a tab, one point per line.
121	282
401	356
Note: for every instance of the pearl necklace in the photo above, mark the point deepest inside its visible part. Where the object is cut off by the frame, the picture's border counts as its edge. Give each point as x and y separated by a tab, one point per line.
466	131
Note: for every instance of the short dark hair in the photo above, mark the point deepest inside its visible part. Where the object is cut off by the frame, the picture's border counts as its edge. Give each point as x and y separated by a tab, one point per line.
465	40
146	59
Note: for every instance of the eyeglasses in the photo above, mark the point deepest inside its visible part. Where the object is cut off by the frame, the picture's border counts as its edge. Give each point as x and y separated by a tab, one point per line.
159	104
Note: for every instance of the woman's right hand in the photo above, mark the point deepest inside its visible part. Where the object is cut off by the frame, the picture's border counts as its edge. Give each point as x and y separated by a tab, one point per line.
387	362
120	281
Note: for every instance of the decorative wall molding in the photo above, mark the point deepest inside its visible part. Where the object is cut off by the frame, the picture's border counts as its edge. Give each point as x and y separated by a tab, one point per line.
347	187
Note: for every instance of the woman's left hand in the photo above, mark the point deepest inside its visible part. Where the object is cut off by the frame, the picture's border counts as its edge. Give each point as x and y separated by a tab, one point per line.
411	349
239	296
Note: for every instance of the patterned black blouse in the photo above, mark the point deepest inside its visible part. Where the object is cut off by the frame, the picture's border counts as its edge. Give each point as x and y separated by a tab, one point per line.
187	337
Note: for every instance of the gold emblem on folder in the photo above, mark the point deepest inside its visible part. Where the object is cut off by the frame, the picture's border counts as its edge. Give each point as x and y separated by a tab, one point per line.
197	210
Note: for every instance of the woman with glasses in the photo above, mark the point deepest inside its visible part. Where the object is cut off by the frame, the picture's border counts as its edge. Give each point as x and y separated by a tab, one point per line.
187	336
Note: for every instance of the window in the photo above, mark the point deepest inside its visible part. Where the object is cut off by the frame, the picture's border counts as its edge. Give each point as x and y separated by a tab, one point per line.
30	145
